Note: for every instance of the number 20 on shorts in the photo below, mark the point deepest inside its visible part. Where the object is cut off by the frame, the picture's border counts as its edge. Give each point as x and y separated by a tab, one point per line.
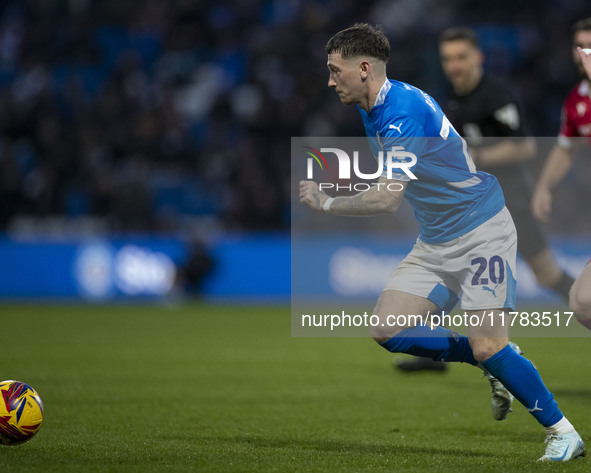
496	270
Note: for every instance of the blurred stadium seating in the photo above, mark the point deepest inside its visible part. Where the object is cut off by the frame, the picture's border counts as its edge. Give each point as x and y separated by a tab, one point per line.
172	119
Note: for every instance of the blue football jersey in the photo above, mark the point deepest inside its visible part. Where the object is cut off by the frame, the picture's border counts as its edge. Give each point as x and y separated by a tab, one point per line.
449	196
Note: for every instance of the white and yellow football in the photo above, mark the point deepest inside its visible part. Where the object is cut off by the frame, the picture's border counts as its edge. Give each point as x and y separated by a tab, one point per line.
21	412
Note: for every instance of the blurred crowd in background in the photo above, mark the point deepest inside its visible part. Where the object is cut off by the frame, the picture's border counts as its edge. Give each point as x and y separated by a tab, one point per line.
168	116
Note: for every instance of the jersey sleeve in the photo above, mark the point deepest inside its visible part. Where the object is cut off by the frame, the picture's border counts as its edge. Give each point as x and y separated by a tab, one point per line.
402	142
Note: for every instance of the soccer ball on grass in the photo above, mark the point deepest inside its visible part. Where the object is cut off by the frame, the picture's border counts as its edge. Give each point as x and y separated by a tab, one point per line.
21	412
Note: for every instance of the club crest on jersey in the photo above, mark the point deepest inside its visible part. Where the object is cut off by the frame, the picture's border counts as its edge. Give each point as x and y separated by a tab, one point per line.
581	108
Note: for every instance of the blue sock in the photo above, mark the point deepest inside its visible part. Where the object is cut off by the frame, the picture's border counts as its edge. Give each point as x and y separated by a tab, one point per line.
522	380
438	344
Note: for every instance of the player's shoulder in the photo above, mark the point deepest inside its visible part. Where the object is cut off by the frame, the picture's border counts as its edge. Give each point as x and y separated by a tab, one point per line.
407	100
406	93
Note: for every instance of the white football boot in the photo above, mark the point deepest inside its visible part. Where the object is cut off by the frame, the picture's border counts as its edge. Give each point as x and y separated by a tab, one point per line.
563	447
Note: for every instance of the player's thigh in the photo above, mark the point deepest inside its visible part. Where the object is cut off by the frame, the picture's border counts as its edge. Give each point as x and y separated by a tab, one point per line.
421	274
580	293
398	310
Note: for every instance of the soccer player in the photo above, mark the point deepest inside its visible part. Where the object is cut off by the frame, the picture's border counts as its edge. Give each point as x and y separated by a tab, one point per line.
576	122
467	244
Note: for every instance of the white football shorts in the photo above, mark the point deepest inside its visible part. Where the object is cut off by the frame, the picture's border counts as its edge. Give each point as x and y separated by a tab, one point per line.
478	268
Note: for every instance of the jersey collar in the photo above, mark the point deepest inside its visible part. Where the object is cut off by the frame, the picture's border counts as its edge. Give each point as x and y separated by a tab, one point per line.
383	92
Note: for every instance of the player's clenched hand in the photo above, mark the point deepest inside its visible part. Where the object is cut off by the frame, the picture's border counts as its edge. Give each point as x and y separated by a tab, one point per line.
311	195
541	204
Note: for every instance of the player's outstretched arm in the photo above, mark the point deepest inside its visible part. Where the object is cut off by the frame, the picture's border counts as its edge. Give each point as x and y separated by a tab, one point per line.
586	60
556	167
383	197
504	152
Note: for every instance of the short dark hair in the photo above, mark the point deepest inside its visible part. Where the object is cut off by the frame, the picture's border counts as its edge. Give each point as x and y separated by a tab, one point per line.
581	25
360	39
460	33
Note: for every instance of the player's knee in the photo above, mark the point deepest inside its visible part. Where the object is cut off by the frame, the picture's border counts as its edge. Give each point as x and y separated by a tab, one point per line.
384	329
545	279
382	333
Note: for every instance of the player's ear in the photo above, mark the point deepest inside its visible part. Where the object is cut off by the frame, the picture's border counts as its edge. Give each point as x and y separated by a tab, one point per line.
364	69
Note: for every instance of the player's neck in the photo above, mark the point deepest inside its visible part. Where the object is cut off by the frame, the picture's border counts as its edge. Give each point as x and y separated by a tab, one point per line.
370	99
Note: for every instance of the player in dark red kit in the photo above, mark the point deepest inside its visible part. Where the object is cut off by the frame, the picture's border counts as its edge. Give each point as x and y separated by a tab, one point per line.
575	123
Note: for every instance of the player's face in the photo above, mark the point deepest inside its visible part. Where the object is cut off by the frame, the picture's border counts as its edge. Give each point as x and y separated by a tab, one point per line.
461	63
344	77
583	40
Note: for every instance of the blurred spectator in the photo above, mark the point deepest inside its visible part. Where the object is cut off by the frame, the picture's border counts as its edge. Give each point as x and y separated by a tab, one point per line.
145	112
199	264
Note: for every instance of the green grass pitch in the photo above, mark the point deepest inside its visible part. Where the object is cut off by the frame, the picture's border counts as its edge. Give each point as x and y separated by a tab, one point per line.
227	389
